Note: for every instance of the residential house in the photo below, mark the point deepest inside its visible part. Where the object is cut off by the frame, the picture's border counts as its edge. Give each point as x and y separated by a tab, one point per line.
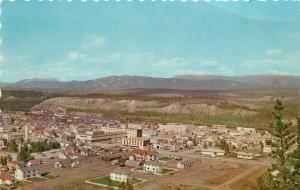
120	175
26	172
69	155
153	167
147	155
64	163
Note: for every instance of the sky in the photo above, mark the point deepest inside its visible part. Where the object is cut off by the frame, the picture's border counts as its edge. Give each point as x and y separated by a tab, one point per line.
88	40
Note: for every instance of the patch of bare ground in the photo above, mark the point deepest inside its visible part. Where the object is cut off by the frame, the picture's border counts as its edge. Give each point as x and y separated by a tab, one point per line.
209	175
249	182
72	178
170	186
222	172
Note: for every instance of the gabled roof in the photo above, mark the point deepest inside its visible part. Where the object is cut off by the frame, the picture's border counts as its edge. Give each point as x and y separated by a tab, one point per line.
29	168
120	171
153	163
6	177
144	152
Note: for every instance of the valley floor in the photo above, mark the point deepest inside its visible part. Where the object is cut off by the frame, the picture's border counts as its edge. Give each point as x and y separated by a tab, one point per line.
211	174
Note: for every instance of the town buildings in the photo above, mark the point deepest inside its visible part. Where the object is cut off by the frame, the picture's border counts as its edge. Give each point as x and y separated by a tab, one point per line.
148	155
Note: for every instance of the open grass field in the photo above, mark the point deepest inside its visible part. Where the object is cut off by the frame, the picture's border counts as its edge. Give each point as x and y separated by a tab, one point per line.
164	158
168	170
106	181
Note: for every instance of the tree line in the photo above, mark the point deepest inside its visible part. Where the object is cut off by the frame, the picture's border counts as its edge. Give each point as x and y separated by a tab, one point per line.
27	148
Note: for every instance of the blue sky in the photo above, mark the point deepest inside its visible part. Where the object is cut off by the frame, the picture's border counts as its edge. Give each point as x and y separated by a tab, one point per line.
80	41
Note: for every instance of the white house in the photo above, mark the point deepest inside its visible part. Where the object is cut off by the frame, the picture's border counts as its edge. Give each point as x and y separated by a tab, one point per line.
153	167
120	175
27	172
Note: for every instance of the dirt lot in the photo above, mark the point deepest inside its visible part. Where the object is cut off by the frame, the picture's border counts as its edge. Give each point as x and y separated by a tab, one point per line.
72	178
208	175
205	176
249	181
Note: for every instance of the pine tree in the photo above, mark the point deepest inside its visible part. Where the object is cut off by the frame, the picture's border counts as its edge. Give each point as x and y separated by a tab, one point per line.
12	146
296	160
281	175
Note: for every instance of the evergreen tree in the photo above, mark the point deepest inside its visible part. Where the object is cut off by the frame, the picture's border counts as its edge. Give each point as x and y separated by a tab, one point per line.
281	175
296	160
12	146
24	152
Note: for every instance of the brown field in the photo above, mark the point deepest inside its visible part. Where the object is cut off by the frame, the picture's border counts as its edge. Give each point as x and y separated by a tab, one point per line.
248	182
209	175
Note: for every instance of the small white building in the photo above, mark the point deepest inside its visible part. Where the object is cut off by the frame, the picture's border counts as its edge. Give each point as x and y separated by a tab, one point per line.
120	175
245	155
246	129
27	172
153	167
267	149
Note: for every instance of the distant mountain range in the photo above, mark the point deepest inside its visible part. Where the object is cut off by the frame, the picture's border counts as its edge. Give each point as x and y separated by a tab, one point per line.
182	82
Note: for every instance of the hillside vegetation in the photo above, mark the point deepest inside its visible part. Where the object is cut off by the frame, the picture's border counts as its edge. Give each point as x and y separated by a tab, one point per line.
233	108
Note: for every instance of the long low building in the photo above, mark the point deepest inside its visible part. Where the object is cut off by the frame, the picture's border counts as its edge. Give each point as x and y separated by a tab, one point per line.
96	136
188	163
213	152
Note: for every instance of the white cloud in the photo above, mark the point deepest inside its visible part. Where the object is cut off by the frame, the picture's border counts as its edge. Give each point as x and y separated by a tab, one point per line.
1	58
272	52
75	56
285	63
93	40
